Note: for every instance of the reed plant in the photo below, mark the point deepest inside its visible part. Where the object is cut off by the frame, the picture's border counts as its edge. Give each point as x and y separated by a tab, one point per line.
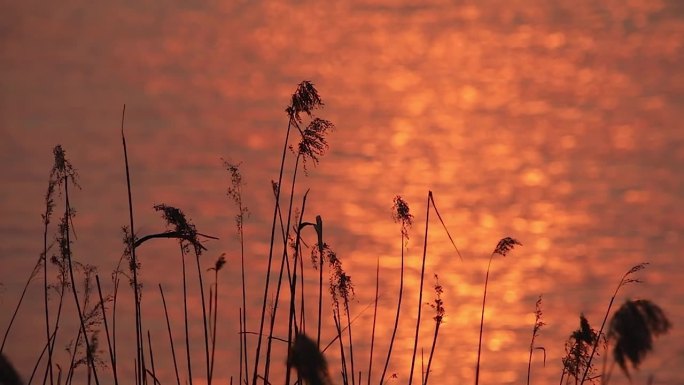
631	331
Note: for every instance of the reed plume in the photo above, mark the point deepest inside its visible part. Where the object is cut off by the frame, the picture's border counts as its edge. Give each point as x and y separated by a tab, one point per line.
633	328
309	361
502	248
401	214
538	323
626	279
438	306
578	357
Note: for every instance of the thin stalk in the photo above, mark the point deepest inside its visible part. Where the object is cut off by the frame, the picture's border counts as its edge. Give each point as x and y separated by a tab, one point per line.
420	290
168	327
623	281
46	222
72	363
336	319
213	338
112	358
134	260
270	256
375	316
245	347
54	332
185	315
204	320
40	358
484	301
320	285
396	318
351	343
432	352
21	300
149	347
67	213
293	289
285	257
243	371
116	280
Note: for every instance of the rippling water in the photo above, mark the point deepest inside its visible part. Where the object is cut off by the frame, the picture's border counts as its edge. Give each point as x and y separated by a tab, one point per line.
557	123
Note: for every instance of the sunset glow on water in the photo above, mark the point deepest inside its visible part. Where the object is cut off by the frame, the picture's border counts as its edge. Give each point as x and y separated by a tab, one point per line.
555	123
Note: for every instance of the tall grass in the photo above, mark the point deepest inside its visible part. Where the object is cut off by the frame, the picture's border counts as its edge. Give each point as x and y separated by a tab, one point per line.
632	329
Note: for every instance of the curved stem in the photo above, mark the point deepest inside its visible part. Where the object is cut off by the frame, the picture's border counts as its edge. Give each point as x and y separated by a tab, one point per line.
420	292
484	301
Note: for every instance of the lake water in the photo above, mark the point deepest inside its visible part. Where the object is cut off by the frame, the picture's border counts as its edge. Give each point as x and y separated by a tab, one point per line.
556	123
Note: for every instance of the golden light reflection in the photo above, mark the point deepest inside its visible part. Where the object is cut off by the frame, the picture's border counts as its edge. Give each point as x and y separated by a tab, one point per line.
556	123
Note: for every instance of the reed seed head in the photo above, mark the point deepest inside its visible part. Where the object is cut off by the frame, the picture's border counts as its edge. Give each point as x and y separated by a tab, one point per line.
176	218
304	100
401	214
633	327
505	245
578	350
309	361
314	144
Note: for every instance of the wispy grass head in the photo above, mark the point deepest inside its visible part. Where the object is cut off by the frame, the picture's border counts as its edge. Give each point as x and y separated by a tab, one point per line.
578	349
438	303
401	214
304	100
341	286
186	230
309	361
314	144
235	192
505	245
62	168
220	262
538	323
628	277
633	327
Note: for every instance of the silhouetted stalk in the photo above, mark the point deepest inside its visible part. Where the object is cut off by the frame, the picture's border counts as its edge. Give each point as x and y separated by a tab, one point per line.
149	347
502	248
72	363
336	319
351	343
243	370
204	320
49	206
109	343
134	260
302	307
59	316
304	100
538	323
168	327
484	300
33	274
217	266
623	281
438	305
67	215
375	315
403	216
293	286
420	289
270	254
285	258
319	231
244	291
35	367
185	317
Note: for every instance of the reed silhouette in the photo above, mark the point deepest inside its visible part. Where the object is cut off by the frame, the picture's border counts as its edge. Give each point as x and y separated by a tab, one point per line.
631	332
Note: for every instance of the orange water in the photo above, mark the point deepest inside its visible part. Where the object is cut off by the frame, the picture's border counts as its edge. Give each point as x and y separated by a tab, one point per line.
558	124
